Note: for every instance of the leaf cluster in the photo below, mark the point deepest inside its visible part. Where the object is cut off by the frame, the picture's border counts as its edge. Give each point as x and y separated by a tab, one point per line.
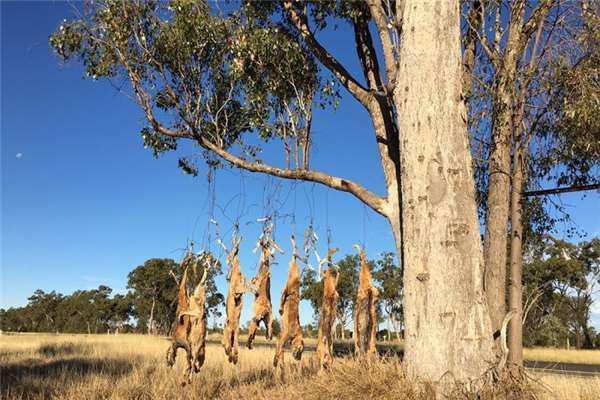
197	71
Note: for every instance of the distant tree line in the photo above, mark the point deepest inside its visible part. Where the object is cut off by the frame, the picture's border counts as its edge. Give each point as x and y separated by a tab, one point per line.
560	280
90	311
148	306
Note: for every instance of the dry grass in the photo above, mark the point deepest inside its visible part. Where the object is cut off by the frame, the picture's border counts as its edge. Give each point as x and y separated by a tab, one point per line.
563	355
133	367
569	387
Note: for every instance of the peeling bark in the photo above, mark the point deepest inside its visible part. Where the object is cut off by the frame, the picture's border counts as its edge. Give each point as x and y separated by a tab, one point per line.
515	328
448	330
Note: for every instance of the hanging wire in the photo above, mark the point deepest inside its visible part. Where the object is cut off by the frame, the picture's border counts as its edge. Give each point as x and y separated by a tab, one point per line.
364	227
240	208
208	203
310	200
212	224
273	201
241	200
327	227
211	208
293	186
310	236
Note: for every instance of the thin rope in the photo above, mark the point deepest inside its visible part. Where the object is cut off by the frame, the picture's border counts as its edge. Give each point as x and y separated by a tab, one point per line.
211	208
327	227
293	186
364	239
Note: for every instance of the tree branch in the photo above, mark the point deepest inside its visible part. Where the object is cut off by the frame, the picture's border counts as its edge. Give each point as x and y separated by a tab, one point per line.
381	115
473	29
352	85
378	15
366	54
474	22
377	203
399	16
537	15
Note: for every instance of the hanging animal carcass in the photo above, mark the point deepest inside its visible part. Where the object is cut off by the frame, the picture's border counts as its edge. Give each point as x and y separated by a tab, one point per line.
365	310
263	310
234	302
189	328
291	332
327	314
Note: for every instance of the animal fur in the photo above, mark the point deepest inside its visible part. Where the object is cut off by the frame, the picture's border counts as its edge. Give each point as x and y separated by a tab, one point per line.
189	328
365	314
327	314
233	305
263	310
291	332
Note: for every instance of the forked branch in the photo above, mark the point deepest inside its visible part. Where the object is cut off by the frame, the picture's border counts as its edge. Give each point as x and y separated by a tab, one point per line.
377	203
299	22
383	28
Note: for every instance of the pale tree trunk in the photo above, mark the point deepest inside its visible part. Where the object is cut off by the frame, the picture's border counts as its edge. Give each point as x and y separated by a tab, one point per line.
519	168
151	319
495	243
448	329
397	327
588	342
515	335
498	195
496	225
515	292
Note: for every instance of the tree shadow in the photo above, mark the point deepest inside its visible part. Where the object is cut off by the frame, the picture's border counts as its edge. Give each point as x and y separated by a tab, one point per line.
63	349
340	349
213	388
268	377
383	350
38	379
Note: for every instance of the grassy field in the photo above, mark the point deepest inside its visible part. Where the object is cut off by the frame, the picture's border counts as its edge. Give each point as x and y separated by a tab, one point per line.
37	366
563	355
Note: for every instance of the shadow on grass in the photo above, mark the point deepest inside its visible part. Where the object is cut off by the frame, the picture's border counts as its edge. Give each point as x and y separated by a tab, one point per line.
213	388
340	349
41	379
62	349
265	377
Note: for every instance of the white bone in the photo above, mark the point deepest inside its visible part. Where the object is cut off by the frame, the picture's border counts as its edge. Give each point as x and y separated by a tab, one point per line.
222	245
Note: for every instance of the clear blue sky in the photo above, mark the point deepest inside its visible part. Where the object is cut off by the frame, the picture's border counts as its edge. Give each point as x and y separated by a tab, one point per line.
83	202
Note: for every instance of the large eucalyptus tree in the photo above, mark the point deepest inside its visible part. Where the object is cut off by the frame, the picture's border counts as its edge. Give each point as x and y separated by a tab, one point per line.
222	78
